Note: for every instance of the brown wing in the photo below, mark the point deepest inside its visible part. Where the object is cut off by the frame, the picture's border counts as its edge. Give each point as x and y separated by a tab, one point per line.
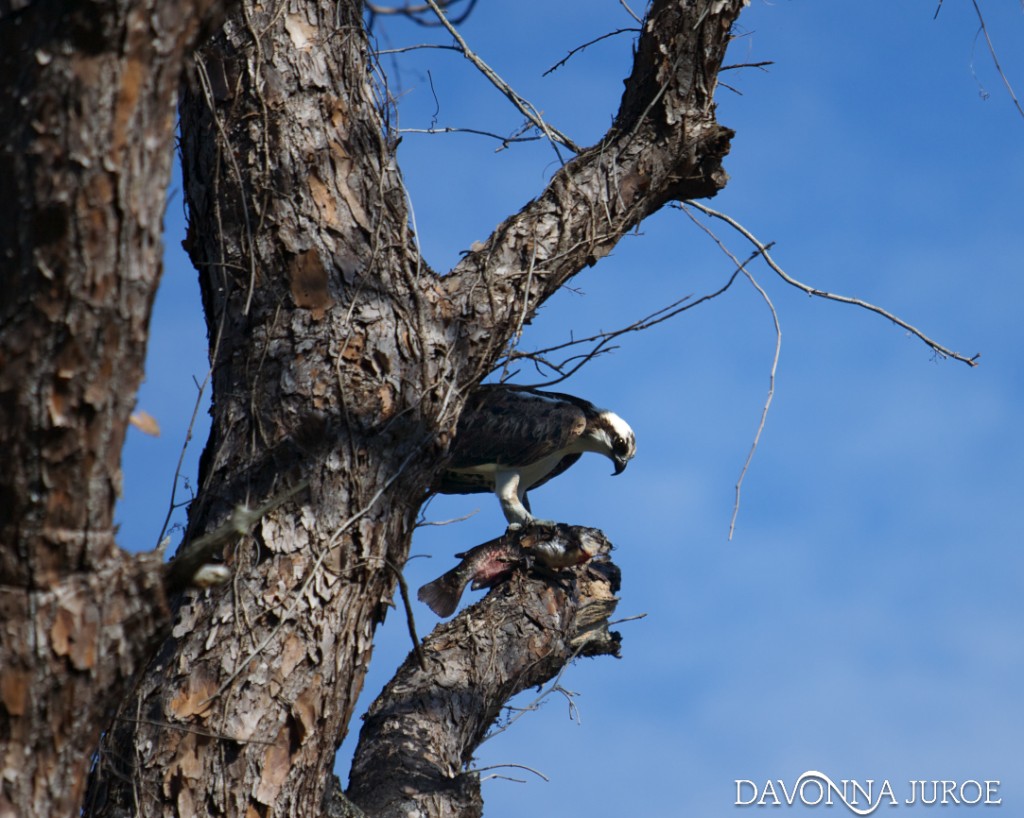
511	427
455	482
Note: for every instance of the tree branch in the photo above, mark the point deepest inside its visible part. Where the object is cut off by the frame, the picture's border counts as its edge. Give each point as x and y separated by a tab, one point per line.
983	28
664	144
420	734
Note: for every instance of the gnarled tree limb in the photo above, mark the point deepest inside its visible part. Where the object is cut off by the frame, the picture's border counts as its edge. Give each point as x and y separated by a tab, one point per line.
421	732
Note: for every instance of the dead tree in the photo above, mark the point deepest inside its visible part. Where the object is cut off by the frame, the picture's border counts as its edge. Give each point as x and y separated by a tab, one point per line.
340	365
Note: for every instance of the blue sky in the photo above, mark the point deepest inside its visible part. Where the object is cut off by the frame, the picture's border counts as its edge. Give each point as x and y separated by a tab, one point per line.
866	618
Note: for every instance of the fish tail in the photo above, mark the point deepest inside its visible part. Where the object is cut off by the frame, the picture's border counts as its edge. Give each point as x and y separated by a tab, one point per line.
443	594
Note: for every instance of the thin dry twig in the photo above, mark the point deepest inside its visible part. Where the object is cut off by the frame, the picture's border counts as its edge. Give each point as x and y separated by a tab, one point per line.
215	347
767	403
173	504
586	45
771	373
995	59
505	140
410	620
507	778
633	618
763	64
526	108
602	340
413	12
208	96
380	52
421	523
937	348
630	12
554	687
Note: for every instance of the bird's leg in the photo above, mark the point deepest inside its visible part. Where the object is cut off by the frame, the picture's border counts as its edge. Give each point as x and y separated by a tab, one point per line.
525	500
506	486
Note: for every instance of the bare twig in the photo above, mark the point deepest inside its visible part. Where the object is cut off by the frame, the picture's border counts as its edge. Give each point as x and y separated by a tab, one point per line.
505	140
215	346
208	96
630	12
767	403
570	698
525	107
410	620
413	12
632	618
771	373
421	523
586	45
184	446
555	686
381	52
201	387
939	350
762	65
501	766
604	339
995	59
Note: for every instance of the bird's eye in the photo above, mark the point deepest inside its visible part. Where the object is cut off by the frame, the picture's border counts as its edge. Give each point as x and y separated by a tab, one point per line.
619	445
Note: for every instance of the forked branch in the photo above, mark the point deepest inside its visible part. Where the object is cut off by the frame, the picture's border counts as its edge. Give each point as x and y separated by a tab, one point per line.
664	145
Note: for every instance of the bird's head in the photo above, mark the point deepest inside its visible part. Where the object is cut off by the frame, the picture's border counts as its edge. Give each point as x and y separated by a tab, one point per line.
614	438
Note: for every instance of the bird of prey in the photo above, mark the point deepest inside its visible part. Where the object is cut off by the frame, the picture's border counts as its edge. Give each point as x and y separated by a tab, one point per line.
551	547
510	440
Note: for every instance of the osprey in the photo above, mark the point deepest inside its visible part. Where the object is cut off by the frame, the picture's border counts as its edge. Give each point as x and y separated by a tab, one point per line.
511	440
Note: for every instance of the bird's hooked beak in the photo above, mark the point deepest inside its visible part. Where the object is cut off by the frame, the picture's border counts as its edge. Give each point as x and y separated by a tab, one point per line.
616	440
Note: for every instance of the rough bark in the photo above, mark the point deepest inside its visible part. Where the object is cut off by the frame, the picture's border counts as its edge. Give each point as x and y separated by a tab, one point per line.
339	359
421	732
85	149
330	364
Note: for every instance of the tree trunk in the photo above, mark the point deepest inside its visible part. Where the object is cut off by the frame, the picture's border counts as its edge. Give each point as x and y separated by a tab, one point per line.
340	364
85	156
